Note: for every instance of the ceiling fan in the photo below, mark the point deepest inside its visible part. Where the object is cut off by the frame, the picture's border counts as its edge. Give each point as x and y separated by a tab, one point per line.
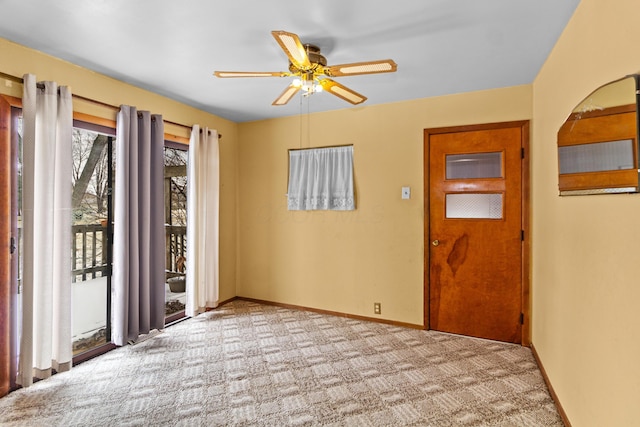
307	64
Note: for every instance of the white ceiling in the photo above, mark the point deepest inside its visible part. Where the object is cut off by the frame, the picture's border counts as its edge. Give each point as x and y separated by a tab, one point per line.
172	47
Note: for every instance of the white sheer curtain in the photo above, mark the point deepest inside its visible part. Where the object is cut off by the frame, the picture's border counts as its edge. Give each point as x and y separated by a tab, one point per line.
138	241
45	341
321	179
203	201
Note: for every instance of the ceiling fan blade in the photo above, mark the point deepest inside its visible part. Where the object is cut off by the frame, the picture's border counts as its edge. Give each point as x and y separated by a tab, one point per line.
286	95
369	67
224	74
294	49
341	91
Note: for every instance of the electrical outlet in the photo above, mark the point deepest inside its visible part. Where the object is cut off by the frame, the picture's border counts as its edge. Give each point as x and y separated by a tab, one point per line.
376	308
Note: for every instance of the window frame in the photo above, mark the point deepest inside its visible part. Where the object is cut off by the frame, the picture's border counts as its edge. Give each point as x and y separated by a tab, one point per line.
600	126
176	143
108	127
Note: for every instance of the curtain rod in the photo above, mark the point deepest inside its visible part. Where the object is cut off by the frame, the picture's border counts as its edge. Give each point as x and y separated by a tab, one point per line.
321	147
93	101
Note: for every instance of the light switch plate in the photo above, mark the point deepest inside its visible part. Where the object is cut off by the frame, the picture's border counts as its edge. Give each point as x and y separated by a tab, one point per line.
406	192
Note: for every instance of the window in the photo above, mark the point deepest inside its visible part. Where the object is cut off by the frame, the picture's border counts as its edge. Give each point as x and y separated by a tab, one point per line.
321	179
597	145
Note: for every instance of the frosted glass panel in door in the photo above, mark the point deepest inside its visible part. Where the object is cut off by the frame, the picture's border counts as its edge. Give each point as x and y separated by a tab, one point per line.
474	205
474	165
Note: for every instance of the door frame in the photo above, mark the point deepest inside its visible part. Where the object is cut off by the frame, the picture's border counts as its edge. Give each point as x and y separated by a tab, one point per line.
8	285
525	220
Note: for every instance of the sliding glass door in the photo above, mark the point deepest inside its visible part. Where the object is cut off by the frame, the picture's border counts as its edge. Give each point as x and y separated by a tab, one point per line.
175	197
91	232
93	154
92	179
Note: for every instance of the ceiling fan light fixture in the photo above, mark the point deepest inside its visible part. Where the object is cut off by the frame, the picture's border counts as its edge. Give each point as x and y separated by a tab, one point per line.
310	86
307	83
312	75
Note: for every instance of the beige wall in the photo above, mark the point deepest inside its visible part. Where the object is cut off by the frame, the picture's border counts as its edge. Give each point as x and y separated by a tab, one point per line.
18	60
346	261
586	273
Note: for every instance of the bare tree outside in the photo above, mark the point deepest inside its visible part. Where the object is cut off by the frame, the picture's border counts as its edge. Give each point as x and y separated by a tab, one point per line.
89	175
175	164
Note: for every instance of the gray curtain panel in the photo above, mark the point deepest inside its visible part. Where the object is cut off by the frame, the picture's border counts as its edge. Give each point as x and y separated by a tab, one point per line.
138	241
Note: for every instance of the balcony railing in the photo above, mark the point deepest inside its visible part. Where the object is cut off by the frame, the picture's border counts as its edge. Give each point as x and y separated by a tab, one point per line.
90	262
90	255
88	251
176	247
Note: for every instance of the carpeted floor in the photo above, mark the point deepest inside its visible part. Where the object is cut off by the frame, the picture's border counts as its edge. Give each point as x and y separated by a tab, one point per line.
247	364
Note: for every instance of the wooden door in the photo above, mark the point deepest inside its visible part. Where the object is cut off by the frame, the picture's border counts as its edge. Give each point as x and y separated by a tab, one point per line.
475	230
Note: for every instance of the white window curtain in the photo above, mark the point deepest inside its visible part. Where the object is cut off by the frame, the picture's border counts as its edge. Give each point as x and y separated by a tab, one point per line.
139	238
45	342
203	206
321	179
